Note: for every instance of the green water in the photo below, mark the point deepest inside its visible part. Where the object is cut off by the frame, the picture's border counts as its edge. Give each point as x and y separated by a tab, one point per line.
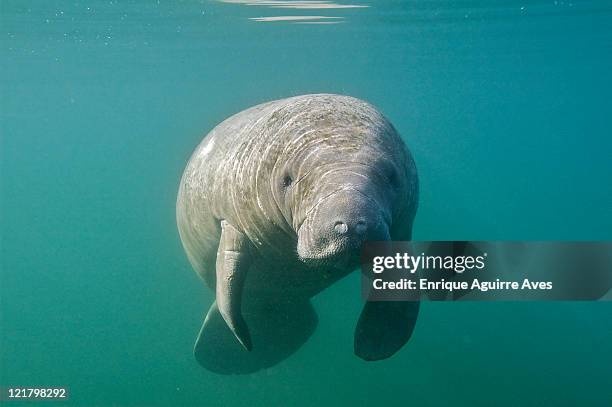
505	106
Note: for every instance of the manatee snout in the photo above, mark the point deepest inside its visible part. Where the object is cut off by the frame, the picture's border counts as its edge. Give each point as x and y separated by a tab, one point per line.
338	226
350	219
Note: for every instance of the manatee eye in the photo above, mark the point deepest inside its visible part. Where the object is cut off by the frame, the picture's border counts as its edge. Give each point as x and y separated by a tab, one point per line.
287	181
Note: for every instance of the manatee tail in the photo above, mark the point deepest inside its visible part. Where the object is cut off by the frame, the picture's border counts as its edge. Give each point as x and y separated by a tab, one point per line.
277	331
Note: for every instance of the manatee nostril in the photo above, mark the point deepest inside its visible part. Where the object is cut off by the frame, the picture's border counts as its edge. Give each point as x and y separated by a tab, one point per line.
360	228
340	227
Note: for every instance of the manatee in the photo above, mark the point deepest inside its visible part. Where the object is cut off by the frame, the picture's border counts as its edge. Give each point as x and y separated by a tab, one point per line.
274	207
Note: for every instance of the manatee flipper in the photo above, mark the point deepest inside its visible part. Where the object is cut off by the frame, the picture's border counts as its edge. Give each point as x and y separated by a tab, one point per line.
233	261
277	329
384	327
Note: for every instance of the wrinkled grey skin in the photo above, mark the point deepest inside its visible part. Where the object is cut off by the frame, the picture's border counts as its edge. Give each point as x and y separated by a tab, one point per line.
273	208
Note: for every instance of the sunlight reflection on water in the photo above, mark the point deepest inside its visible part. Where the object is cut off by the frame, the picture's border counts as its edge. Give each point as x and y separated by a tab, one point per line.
298	5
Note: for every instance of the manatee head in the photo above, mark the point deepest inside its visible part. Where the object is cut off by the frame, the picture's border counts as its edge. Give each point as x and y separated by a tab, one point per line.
350	208
345	185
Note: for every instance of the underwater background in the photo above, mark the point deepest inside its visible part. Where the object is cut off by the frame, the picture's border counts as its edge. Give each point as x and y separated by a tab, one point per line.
505	106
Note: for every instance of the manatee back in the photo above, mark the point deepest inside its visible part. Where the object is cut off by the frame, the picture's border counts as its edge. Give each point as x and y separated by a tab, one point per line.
200	201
